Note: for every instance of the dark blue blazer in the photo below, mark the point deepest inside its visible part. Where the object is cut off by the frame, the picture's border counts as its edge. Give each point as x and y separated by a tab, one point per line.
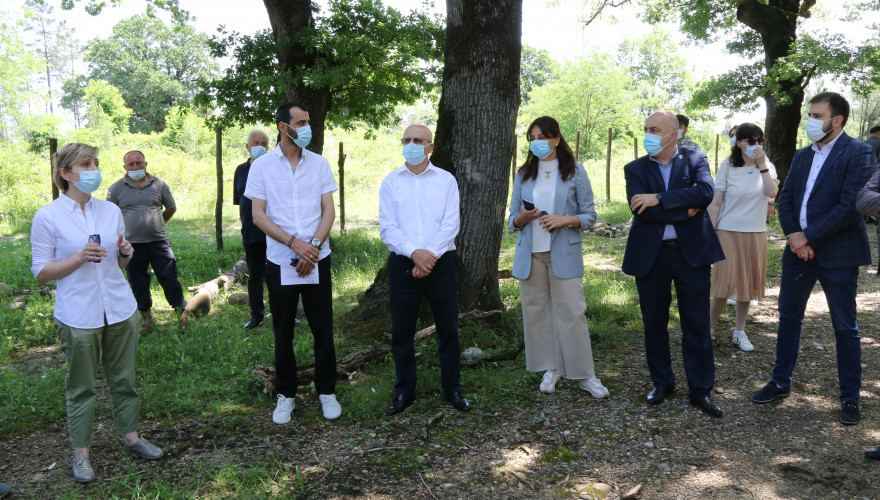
690	186
835	229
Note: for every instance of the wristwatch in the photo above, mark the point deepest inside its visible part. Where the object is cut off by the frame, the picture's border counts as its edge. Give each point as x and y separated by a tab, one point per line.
659	197
316	243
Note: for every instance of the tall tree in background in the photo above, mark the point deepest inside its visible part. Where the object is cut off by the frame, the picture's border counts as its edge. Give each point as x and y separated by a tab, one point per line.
353	64
475	132
659	76
16	66
50	40
537	69
154	66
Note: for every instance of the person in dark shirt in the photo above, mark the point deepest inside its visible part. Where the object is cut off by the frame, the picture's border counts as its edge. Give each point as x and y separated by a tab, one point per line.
253	239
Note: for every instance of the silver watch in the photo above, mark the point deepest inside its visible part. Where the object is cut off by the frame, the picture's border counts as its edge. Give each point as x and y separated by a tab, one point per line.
316	243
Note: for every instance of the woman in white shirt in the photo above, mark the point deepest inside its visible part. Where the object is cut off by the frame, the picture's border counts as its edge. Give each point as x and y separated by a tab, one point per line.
745	181
78	241
552	202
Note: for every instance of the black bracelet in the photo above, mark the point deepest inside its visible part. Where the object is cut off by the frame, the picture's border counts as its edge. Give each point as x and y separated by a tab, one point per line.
764	171
290	242
124	256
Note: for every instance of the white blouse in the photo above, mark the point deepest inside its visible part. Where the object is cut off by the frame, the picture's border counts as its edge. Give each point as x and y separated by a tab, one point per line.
94	290
745	205
544	196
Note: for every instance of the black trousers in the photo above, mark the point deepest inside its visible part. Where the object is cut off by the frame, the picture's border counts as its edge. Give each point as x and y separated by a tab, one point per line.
158	255
440	288
318	306
255	257
655	296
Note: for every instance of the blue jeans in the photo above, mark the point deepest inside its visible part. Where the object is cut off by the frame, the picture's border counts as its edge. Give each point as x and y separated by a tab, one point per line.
839	285
440	288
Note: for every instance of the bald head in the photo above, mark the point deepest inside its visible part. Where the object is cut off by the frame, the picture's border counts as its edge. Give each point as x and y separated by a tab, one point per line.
420	131
662	122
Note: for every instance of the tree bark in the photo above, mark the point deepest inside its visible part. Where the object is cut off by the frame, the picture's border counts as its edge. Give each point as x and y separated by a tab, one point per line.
776	23
475	133
289	18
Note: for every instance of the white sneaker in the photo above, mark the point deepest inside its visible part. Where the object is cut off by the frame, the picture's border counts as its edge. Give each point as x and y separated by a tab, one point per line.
283	408
753	303
332	409
594	386
548	383
740	339
731	301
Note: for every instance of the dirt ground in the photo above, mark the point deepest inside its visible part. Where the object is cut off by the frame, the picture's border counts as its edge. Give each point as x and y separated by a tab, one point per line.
566	445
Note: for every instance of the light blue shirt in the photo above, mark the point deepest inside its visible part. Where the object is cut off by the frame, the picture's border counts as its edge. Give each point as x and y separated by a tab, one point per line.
666	172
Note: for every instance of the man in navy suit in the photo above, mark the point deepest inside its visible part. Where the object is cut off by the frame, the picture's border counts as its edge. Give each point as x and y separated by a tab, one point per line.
672	240
827	242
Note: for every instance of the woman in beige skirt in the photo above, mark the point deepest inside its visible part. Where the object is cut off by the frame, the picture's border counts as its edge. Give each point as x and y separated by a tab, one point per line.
746	181
552	202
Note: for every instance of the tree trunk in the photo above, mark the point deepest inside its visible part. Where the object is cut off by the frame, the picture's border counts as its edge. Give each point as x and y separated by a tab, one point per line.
474	138
776	23
289	18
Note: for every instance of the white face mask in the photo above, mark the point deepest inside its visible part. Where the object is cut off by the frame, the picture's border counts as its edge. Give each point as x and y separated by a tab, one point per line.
815	128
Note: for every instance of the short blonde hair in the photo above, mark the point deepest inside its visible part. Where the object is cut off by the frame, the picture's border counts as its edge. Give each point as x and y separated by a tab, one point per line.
74	153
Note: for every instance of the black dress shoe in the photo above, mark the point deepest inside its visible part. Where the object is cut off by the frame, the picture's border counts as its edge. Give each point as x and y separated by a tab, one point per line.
707	406
254	322
658	395
399	403
873	454
458	401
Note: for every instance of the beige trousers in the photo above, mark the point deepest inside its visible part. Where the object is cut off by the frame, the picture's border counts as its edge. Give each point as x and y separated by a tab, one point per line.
554	322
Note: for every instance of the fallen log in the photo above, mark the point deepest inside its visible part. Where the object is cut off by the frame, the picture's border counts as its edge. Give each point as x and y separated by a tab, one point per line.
350	363
200	303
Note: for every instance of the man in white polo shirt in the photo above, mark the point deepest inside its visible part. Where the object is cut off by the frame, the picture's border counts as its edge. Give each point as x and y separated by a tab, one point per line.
418	221
292	193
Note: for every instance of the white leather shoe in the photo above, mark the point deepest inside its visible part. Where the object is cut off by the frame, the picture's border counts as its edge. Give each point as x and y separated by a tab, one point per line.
283	409
548	383
331	408
740	339
594	386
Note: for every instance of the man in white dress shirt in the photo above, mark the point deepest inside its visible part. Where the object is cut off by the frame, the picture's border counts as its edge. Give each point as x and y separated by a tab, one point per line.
418	221
292	193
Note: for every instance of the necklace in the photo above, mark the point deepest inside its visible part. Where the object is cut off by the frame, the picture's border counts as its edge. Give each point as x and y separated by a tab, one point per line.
548	172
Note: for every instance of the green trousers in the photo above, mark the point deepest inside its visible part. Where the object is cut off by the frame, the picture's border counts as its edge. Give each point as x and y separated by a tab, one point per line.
115	346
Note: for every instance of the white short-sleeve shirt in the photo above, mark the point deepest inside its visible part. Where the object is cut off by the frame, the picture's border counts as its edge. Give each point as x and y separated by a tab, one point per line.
745	204
293	197
94	290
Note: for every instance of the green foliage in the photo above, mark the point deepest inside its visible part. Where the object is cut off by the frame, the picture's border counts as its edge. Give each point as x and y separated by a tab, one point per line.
590	95
106	105
659	76
369	56
37	129
188	132
154	66
537	69
16	66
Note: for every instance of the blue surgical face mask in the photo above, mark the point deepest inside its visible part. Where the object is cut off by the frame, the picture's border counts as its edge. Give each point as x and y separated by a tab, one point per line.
733	141
137	175
89	181
750	151
540	148
257	151
303	136
680	134
652	143
814	129
414	153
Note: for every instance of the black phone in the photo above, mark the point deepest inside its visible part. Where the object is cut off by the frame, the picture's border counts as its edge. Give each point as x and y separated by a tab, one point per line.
529	205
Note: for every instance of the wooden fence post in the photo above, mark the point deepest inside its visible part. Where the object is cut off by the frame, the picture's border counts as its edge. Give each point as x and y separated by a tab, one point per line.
577	147
800	143
717	145
218	208
608	169
53	148
635	148
341	187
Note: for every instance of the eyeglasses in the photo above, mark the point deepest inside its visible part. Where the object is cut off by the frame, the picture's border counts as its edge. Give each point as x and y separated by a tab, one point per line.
752	141
415	140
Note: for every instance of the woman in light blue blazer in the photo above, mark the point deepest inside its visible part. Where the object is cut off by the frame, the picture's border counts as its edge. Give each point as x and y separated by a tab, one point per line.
552	201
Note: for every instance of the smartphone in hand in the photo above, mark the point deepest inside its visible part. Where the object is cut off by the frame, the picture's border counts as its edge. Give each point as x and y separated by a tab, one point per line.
528	204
